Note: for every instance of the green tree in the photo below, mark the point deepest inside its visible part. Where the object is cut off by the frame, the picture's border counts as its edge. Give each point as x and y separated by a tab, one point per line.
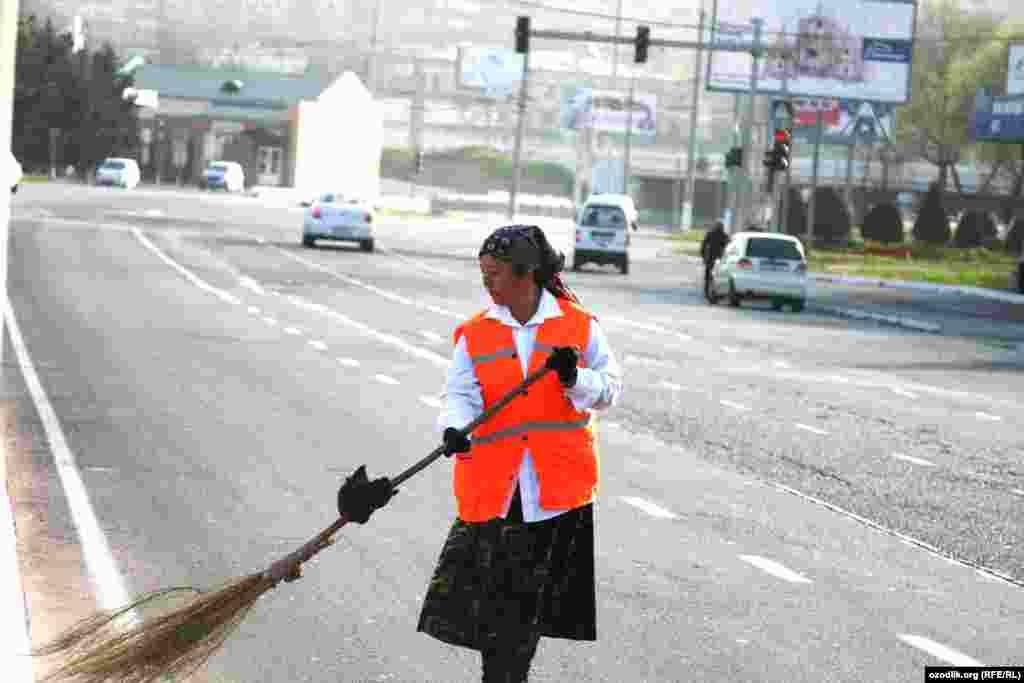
934	124
932	224
107	124
831	218
883	223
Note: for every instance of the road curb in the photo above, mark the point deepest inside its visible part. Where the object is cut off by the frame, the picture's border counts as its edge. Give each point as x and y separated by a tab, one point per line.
1005	297
897	321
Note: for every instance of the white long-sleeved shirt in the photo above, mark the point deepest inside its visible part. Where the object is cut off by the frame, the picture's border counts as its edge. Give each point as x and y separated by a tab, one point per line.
598	387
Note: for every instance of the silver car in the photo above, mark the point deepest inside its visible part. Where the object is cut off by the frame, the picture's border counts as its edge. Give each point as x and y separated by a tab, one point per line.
333	217
762	265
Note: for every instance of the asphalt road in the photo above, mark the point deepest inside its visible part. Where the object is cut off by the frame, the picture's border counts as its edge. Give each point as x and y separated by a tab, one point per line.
785	497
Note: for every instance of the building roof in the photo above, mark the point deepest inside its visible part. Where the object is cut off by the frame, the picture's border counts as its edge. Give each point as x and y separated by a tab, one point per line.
259	89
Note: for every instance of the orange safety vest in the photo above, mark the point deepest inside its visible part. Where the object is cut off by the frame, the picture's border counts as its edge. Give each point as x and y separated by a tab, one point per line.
561	439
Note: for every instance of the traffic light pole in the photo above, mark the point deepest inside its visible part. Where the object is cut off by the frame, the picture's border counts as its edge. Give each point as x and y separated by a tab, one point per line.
686	217
517	154
744	196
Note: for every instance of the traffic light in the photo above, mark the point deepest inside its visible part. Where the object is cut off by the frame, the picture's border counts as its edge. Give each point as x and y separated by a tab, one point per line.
522	35
418	162
643	41
734	158
781	149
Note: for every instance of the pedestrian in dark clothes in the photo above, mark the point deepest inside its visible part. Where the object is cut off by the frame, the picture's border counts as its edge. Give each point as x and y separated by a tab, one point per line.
711	249
518	563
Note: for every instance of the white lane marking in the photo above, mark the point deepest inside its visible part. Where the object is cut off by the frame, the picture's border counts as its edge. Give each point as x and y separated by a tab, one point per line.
781	364
153	212
736	406
775	569
424	267
730	349
813	430
294	331
268	320
391	296
110	587
431	401
912	459
649	507
1018	492
657	329
411	349
316	344
349	362
432	336
251	284
988	416
189	275
14	624
673	387
939	651
902	392
254	310
385	379
655	362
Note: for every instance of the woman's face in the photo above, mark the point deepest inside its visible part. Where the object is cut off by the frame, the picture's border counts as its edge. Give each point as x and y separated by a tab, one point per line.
500	280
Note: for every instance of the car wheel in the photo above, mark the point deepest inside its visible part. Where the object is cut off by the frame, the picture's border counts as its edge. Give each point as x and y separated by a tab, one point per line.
776	304
798	305
308	241
576	265
366	245
734	297
624	266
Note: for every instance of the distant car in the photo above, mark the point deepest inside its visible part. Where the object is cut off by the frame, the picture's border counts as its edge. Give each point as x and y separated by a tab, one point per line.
118	172
601	234
332	216
12	172
761	265
223	174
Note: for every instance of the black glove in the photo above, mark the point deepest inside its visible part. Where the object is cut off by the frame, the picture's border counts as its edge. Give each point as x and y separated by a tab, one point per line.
455	442
563	360
358	497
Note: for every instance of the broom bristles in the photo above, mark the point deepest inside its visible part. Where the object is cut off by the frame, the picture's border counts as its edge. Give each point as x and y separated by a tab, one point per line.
101	649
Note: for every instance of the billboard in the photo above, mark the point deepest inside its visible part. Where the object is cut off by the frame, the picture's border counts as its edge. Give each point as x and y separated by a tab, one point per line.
997	119
861	50
607	110
1015	70
844	122
493	70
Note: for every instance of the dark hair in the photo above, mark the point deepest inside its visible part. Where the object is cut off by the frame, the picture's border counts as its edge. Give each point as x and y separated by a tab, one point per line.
527	248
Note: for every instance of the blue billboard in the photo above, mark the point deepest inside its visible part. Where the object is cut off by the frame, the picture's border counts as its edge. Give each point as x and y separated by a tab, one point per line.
997	119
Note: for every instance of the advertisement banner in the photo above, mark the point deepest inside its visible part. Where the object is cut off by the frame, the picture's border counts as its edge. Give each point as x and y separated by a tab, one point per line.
844	122
861	50
608	111
997	119
1015	72
493	70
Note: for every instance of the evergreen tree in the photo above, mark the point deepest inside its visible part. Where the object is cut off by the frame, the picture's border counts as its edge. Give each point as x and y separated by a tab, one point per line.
831	218
796	214
884	223
932	224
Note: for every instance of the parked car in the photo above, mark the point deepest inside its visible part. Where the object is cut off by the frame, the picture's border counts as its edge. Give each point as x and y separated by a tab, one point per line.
332	216
118	172
602	234
761	265
228	175
12	172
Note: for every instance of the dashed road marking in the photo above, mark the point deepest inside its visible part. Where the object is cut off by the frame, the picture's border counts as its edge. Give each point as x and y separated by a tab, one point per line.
912	459
432	336
349	362
254	310
902	392
252	285
1018	492
385	379
735	406
939	651
431	401
650	508
672	386
268	320
316	344
775	569
730	349
808	428
782	364
988	416
657	329
294	331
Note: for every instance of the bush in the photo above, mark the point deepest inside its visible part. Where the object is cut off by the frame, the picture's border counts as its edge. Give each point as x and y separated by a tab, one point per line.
932	224
975	228
796	214
831	218
1015	237
884	223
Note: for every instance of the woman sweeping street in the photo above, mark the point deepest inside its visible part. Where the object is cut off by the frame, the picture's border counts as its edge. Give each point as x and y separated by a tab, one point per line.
518	563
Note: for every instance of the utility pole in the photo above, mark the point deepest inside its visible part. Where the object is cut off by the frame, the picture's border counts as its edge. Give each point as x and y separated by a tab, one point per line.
746	193
371	71
520	126
8	50
629	135
615	47
416	120
686	217
819	133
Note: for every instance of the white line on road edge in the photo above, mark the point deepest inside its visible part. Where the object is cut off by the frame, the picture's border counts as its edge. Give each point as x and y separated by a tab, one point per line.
110	588
912	459
252	285
939	651
189	275
736	406
431	401
318	344
432	336
808	428
988	416
385	379
775	569
14	625
649	507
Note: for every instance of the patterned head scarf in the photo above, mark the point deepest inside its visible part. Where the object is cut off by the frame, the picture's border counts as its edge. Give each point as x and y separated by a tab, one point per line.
528	246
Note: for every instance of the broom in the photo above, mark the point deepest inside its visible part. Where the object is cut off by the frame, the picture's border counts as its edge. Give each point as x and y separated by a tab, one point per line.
175	644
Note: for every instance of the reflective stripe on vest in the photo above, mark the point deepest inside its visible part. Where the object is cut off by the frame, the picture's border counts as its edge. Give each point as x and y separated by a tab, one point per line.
502	353
534	426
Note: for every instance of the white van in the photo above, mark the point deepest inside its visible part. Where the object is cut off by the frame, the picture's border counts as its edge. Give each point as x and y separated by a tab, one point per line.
118	172
602	231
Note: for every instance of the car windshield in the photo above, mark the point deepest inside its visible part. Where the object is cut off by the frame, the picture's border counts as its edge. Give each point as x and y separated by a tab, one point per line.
331	198
114	165
603	217
218	167
766	247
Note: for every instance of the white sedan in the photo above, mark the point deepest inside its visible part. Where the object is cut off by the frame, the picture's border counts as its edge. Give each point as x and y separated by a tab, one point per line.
333	217
761	265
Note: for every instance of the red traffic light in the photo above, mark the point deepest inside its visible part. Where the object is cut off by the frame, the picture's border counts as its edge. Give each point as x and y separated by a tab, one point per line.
784	135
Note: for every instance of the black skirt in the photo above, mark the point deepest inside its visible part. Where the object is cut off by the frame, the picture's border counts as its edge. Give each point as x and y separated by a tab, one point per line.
503	578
